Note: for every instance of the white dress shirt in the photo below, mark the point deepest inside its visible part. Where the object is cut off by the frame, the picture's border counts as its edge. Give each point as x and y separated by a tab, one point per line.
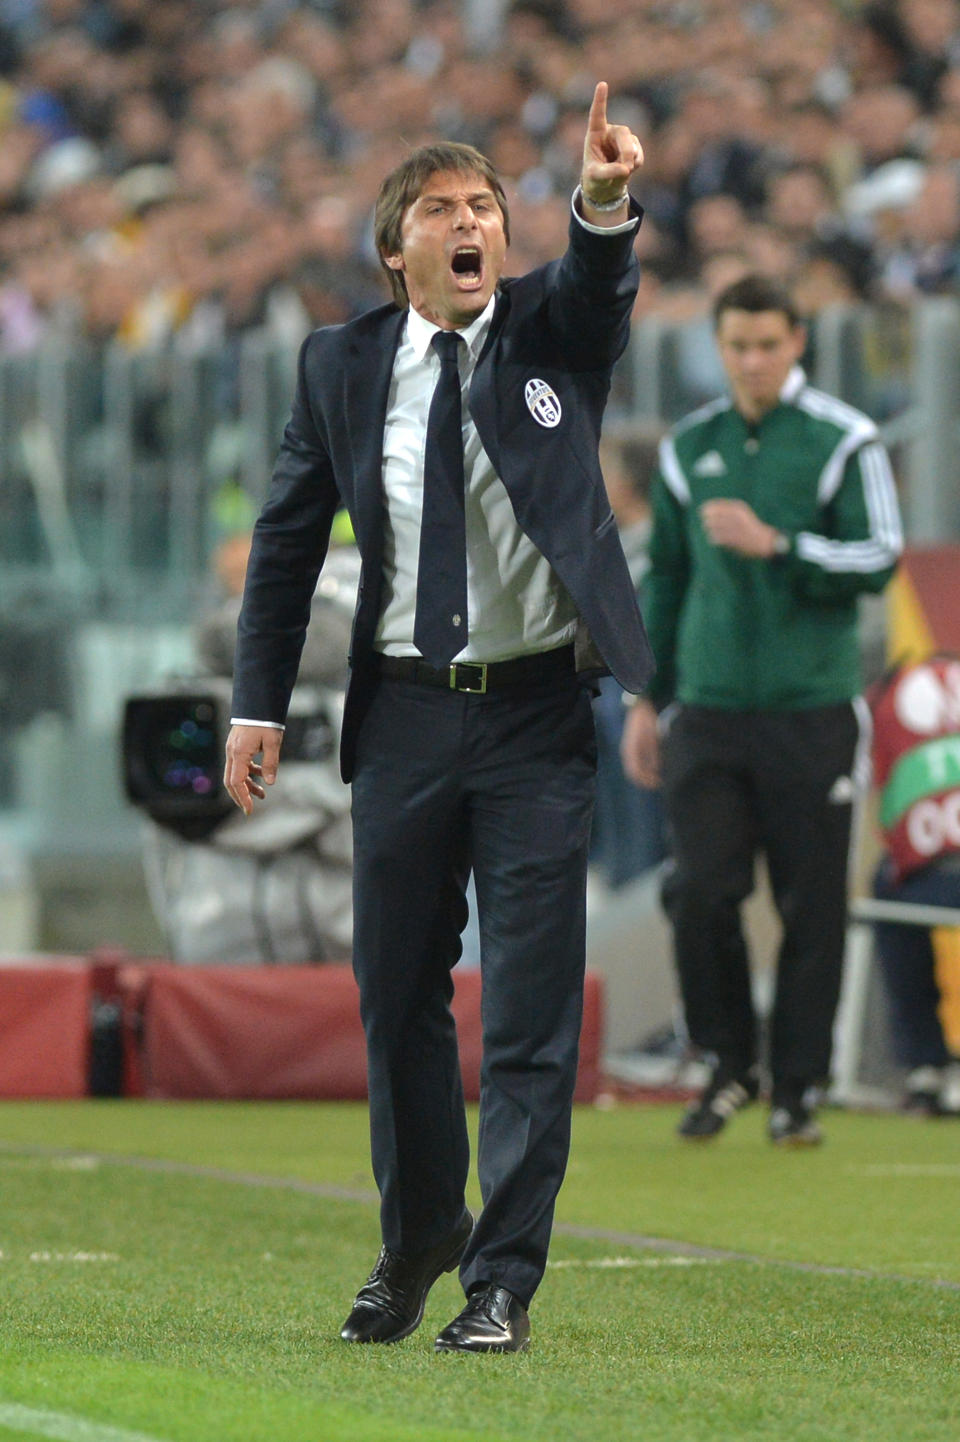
515	602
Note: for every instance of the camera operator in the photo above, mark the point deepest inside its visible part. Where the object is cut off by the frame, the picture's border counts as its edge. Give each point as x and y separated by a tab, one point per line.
276	888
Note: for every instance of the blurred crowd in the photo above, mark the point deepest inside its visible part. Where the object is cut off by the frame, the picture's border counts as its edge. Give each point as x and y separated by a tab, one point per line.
205	166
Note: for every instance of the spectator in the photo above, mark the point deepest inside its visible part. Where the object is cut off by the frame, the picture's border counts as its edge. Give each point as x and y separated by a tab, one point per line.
800	202
322	662
877	206
934	30
716	223
699	371
830	273
884	124
727	160
883	51
900	47
926	257
773	511
290	104
916	711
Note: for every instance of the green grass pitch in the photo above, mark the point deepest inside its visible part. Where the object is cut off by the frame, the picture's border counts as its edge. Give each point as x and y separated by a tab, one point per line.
178	1273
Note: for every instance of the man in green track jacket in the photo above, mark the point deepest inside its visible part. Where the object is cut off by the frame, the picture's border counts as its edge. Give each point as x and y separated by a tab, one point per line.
773	510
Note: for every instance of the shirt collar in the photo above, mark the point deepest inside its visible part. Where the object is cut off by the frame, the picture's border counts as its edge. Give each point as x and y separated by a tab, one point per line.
420	332
794	384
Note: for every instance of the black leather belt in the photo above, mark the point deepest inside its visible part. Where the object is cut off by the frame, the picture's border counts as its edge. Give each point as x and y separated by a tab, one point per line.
478	677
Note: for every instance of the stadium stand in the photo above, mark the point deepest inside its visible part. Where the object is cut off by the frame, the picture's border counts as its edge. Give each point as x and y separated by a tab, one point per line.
186	189
203	168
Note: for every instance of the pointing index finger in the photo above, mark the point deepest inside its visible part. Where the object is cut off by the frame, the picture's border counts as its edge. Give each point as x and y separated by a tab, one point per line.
598	109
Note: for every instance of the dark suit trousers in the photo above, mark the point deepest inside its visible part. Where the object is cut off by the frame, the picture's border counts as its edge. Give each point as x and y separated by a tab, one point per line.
503	783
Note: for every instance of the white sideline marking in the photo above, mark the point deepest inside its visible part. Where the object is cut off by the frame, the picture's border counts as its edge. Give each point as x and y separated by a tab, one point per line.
62	1427
59	1164
602	1263
46	1256
614	1237
74	1257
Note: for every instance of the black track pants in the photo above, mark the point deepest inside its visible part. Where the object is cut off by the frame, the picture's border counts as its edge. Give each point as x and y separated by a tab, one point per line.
780	783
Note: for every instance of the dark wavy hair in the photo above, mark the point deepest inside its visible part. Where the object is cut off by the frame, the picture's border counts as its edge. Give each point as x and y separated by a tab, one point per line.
405	184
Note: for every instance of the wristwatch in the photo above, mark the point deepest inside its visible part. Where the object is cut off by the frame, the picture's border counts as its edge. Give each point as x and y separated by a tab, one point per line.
606	207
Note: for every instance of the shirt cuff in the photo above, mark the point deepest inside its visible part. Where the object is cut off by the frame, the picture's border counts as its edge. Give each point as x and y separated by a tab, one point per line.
267	725
630	223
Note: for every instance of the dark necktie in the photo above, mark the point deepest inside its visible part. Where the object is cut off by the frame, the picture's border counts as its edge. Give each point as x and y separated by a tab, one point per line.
440	624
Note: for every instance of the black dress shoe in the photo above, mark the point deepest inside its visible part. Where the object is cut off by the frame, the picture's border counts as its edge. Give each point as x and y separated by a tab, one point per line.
389	1305
494	1320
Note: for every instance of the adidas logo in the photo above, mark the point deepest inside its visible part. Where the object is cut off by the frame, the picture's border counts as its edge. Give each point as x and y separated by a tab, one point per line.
730	1099
711	463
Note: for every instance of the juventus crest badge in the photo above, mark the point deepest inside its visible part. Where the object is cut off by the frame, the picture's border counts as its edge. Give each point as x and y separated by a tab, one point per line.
543	403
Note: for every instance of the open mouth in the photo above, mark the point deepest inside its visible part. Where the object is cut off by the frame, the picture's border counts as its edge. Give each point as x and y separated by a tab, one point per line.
467	265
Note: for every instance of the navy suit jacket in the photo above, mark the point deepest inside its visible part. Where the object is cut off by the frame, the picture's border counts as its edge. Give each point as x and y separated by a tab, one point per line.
564	324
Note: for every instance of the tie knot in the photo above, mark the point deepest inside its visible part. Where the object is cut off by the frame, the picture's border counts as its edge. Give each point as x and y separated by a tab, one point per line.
447	345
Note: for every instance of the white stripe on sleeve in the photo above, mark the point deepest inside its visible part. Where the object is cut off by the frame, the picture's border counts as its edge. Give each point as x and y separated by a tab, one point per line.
885	541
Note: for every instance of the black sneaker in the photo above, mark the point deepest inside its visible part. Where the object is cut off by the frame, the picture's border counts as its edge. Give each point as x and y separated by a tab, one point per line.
923	1104
727	1093
924	1092
793	1125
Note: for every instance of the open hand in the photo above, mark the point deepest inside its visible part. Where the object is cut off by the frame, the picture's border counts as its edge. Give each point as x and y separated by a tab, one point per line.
243	777
640	745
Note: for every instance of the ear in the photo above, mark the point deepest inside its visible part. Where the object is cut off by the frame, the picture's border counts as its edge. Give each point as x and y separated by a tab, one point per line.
395	262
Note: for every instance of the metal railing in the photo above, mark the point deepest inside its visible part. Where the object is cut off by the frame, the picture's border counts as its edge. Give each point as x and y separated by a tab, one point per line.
119	471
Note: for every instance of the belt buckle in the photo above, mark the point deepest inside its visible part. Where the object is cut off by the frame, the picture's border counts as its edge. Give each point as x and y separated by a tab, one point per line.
478	670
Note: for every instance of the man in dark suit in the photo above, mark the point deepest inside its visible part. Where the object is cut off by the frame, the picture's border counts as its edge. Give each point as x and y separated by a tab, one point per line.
493	588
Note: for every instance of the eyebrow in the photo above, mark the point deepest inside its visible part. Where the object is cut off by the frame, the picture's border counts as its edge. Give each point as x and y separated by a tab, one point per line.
474	195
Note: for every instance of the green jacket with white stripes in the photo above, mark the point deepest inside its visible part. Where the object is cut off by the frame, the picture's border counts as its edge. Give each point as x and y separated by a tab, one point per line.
744	634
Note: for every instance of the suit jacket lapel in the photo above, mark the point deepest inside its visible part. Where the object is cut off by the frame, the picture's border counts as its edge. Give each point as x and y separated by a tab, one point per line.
483	397
367	374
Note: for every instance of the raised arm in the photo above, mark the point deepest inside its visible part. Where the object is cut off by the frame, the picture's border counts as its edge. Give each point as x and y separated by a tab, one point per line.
611	154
